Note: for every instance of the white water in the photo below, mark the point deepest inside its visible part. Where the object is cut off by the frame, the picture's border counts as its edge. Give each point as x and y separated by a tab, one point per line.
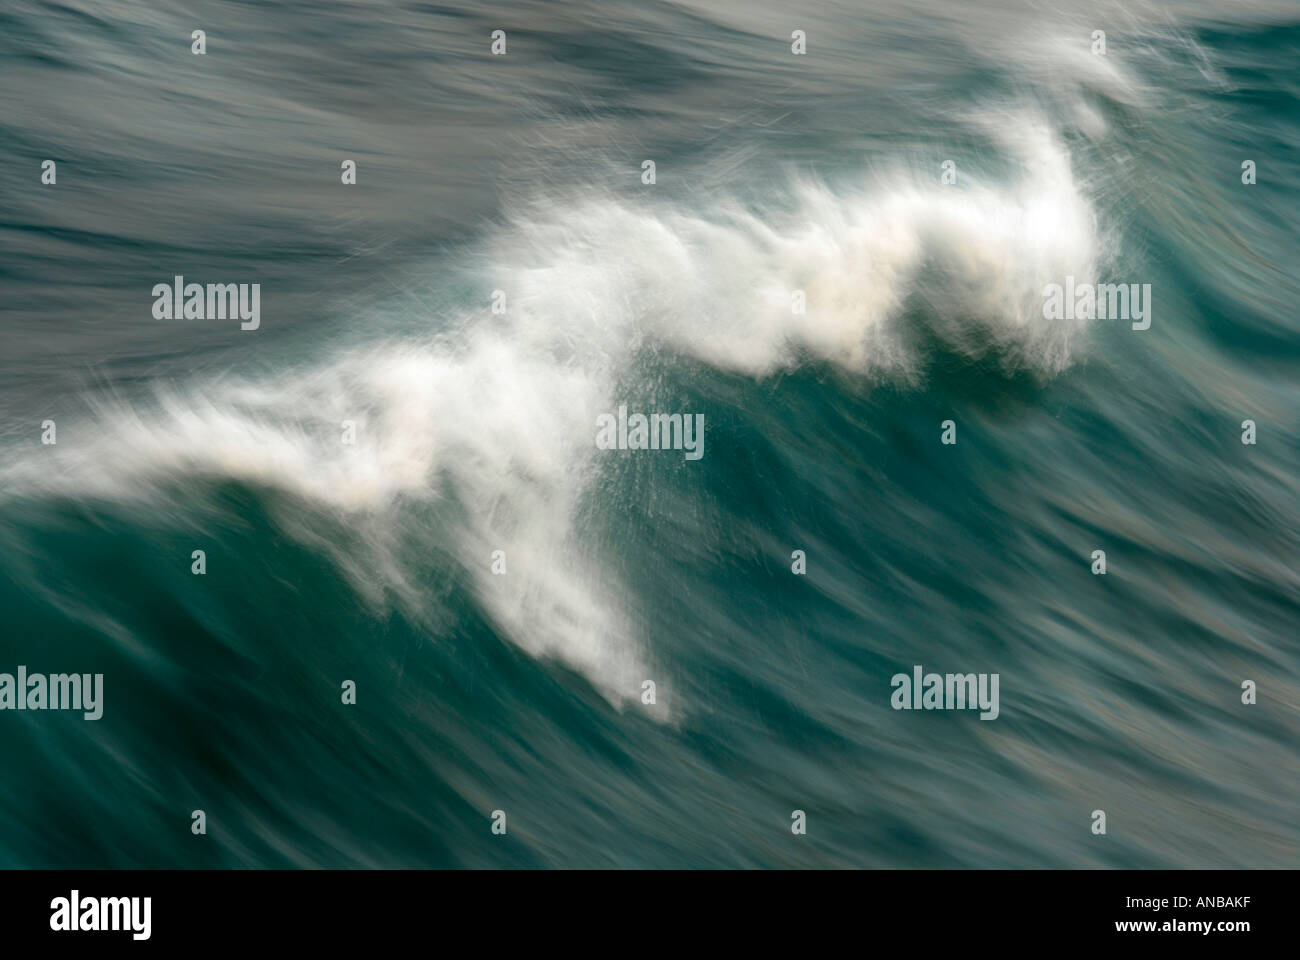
502	411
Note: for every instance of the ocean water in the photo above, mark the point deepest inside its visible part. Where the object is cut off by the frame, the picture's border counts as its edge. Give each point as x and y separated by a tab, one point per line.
372	561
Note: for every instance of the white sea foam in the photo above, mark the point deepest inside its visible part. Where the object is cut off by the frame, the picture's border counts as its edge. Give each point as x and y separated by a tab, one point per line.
601	275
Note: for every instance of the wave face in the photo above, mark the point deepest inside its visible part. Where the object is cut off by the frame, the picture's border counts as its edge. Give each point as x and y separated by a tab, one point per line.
499	588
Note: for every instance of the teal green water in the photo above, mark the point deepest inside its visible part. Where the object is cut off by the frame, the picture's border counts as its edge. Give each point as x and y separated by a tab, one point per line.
371	562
